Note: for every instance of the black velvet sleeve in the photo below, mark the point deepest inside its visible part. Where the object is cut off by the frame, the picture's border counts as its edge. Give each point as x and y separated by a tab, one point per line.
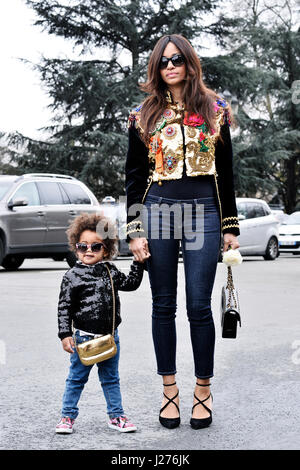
64	309
224	162
136	178
132	280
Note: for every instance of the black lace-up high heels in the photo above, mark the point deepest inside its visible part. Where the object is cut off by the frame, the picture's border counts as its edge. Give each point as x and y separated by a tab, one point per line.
170	423
197	423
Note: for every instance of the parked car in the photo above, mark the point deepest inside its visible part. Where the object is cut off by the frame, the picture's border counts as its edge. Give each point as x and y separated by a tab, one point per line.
258	228
279	214
289	234
35	211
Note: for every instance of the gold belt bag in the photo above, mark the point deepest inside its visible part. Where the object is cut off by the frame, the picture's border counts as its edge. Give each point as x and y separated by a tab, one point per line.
101	348
97	349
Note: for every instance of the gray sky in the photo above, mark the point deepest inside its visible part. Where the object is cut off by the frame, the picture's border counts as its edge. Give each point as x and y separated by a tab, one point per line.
23	103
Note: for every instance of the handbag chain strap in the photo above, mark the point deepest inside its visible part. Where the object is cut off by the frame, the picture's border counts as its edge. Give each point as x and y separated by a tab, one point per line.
113	297
230	288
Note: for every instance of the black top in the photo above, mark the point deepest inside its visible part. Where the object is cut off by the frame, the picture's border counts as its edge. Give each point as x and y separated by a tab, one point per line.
138	171
86	297
187	187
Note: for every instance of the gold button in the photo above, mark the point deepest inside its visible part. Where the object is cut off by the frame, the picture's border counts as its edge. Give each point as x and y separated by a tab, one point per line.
159	183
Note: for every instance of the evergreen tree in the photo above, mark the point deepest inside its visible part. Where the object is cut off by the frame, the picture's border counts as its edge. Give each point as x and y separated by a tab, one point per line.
91	99
5	167
261	69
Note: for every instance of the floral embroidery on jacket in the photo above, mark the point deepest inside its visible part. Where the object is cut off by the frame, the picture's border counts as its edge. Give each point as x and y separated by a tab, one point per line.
193	120
155	152
179	136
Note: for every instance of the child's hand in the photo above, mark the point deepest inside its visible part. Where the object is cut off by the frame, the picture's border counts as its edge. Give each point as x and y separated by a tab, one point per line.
68	344
139	248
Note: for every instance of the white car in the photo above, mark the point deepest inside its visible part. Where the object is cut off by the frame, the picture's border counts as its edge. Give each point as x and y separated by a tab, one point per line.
289	234
279	214
259	232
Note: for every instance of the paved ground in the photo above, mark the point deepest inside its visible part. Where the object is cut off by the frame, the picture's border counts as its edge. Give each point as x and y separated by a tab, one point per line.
255	388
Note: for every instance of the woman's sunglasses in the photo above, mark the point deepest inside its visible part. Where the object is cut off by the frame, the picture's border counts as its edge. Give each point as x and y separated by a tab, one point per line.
83	247
177	60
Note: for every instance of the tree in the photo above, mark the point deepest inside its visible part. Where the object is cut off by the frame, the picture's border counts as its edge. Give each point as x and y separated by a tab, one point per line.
5	167
91	99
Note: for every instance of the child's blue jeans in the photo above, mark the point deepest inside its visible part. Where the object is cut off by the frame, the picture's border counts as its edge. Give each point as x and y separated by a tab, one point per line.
108	372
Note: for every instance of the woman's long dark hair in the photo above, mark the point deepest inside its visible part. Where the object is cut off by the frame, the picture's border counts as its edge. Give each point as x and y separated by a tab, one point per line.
197	97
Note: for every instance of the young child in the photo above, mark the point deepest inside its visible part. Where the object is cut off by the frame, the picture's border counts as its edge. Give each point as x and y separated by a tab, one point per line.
86	300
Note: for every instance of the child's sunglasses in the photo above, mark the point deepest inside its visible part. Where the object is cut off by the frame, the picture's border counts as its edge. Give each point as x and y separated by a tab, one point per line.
83	247
177	60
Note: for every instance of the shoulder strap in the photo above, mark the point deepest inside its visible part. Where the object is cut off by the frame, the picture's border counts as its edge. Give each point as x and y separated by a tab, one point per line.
113	296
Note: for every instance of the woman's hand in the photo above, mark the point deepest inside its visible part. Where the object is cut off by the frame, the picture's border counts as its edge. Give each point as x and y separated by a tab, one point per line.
68	344
139	248
230	240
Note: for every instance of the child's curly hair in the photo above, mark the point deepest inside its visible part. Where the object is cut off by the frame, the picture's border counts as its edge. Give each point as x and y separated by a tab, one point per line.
98	223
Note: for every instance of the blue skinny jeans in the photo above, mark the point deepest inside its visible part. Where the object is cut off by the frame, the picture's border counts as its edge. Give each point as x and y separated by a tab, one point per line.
108	373
195	224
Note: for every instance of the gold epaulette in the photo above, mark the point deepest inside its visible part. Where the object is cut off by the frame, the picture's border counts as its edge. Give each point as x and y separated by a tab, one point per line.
134	118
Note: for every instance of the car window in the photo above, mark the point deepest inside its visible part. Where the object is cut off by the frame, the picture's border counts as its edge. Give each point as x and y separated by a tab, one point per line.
267	210
28	191
251	212
76	194
64	195
254	210
241	208
50	193
259	210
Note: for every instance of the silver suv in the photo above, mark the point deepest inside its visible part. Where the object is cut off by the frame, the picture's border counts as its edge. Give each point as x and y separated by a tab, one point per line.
35	211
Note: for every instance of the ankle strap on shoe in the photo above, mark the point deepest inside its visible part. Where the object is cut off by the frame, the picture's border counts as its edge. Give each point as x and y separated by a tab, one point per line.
169	385
203	385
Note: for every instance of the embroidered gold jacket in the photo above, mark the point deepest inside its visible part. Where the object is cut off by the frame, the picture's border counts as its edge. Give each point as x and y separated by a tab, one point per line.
179	138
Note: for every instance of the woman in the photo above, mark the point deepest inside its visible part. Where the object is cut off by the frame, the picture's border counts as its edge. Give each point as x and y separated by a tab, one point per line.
180	156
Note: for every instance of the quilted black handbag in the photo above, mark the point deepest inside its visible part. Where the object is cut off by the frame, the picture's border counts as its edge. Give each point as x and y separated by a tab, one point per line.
230	308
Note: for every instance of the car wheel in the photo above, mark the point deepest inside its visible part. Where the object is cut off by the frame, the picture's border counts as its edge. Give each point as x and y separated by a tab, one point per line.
71	259
272	249
12	262
58	257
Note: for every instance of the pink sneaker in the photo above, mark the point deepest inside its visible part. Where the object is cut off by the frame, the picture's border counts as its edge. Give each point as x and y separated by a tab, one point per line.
65	426
122	424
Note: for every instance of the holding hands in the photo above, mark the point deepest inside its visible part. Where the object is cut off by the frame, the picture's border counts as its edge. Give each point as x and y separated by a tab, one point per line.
139	248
